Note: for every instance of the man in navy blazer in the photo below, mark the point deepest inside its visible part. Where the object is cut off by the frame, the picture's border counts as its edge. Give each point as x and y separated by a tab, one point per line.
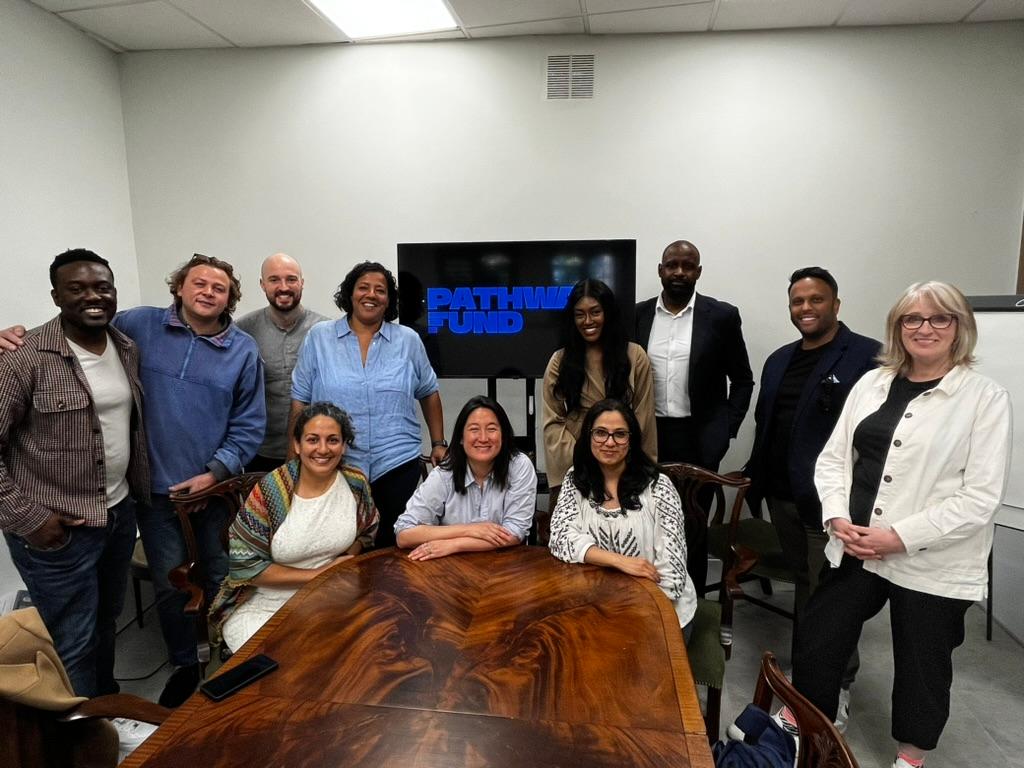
803	387
702	378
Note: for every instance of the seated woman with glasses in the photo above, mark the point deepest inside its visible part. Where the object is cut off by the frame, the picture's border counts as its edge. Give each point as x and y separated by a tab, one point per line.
482	494
300	520
909	481
616	510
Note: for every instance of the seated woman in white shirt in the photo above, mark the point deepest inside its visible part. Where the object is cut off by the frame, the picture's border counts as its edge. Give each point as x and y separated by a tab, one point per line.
616	510
481	496
301	519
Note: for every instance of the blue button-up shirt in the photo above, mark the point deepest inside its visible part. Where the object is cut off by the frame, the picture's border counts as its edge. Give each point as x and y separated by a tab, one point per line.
380	397
436	502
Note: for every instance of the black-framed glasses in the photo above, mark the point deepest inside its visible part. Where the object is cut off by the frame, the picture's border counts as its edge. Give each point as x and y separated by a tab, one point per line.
939	322
601	435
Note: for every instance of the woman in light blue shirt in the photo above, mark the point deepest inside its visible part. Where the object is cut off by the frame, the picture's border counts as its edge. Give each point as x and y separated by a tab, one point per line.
375	370
480	497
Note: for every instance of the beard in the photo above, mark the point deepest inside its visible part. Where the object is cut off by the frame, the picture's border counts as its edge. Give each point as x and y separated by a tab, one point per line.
285	301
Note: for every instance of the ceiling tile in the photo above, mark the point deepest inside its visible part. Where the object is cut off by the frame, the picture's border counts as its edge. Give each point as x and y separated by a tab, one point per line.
998	10
677	18
444	34
254	23
611	6
146	26
757	14
74	5
572	26
486	13
875	12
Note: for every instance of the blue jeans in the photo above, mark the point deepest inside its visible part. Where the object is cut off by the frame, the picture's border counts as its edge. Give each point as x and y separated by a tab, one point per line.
79	590
164	543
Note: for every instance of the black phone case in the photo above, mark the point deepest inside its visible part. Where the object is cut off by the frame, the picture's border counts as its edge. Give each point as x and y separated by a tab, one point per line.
220	687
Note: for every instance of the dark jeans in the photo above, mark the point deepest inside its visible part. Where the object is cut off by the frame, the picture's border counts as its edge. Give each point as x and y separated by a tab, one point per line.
391	492
79	590
164	543
925	631
803	546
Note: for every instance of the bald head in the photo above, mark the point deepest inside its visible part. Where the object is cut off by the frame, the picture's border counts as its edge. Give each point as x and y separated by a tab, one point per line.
281	280
679	271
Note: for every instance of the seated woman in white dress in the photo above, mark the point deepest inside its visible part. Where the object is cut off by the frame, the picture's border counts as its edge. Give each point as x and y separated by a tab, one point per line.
482	494
616	510
300	520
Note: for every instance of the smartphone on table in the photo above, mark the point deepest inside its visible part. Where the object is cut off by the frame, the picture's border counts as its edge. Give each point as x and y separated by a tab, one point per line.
235	679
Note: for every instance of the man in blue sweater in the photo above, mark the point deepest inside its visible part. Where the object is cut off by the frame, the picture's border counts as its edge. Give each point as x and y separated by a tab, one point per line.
205	416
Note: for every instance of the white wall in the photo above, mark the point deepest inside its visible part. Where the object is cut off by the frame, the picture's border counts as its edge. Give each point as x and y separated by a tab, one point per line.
886	154
63	176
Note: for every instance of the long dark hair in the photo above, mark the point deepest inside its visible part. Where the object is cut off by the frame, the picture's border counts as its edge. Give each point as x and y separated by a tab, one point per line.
456	460
614	348
640	471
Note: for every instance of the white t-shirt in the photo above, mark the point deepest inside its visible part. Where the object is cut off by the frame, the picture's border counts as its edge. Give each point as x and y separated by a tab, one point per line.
112	399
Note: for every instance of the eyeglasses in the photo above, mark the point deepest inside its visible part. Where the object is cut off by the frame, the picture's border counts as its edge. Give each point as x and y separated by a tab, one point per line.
938	322
601	435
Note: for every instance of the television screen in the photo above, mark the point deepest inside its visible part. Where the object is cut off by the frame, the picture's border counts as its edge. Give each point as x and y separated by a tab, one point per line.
495	309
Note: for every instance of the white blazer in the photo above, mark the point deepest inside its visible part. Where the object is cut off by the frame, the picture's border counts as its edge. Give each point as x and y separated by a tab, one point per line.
948	464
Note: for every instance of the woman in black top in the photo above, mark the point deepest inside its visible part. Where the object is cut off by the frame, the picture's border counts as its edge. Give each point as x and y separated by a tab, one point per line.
909	483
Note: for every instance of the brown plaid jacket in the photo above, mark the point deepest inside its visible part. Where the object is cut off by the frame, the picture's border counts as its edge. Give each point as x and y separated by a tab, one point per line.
51	445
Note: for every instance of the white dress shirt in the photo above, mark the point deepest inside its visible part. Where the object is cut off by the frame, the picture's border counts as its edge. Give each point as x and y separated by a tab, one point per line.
947	468
669	351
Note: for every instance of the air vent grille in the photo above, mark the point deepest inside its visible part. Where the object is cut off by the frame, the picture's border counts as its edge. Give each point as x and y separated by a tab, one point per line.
570	76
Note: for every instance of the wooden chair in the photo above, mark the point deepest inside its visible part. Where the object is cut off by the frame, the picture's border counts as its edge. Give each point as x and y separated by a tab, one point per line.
41	725
710	642
747	546
753	539
189	576
821	745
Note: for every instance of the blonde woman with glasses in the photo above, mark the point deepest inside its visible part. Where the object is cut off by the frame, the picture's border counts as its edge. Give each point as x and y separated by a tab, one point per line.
909	483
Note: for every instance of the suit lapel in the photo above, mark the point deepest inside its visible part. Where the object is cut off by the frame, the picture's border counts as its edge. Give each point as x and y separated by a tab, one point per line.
699	338
827	362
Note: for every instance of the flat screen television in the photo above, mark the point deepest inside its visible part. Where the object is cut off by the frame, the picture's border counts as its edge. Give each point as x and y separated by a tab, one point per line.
494	309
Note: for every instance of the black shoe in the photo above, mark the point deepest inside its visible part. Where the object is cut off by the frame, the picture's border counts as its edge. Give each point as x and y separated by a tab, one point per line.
180	685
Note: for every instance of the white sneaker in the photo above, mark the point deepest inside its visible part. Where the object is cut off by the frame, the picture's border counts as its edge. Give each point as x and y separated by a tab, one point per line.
130	733
843	713
899	762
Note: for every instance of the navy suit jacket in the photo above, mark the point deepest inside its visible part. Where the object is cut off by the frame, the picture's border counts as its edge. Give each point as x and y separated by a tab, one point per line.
848	358
720	381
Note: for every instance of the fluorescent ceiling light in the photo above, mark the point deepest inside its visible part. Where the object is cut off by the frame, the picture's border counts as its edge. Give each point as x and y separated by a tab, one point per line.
361	19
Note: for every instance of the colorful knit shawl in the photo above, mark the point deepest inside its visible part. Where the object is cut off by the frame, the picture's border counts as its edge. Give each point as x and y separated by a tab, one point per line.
254	526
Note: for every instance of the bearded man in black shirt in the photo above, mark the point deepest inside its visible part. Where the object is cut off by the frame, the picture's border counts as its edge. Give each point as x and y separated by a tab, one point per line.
803	387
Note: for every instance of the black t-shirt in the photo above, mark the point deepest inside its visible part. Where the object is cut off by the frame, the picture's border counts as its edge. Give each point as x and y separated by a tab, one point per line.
872	439
801	366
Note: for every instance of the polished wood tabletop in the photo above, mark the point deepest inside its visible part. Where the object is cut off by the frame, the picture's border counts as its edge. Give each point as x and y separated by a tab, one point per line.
507	658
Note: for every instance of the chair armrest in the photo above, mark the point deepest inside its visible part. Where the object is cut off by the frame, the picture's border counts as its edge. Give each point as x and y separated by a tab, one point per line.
118	705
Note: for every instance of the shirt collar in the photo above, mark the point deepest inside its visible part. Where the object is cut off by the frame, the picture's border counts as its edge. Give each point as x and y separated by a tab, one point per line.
949	383
471	480
221	339
660	306
344	329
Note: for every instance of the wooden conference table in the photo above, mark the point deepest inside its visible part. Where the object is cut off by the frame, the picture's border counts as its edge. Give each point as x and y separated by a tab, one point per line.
506	658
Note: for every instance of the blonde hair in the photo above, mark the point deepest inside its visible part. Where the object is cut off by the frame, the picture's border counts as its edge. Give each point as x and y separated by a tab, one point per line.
947	298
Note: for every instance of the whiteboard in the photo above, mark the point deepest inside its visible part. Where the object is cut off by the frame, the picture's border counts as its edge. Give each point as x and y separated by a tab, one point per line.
1000	354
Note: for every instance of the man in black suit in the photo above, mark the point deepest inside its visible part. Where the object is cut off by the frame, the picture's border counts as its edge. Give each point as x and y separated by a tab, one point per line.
803	387
702	378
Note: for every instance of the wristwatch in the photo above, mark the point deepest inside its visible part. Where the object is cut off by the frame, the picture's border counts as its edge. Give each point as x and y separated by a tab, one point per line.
442	443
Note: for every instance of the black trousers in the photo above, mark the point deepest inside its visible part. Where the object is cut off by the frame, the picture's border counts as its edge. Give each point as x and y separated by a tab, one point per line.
925	631
391	492
677	442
